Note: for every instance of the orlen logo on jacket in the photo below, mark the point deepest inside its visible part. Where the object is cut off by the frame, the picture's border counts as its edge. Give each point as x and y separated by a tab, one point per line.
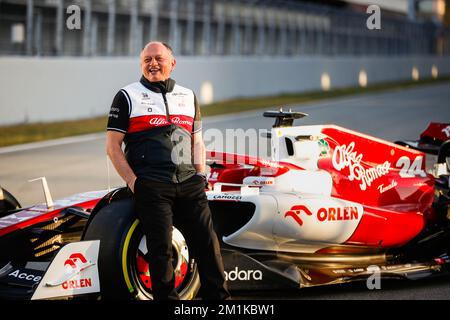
324	214
77	262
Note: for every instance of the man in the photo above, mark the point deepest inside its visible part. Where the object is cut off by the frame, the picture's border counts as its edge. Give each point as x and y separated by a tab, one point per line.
164	166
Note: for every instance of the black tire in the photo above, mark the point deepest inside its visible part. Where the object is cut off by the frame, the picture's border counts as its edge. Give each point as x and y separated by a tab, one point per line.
7	203
120	262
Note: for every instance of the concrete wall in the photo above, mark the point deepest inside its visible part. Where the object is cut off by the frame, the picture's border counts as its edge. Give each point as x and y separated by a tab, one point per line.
50	89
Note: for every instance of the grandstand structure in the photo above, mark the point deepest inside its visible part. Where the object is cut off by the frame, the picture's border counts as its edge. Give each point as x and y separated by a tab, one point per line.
212	27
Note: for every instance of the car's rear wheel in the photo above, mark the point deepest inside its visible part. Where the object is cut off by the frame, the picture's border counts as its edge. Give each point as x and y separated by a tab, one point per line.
123	270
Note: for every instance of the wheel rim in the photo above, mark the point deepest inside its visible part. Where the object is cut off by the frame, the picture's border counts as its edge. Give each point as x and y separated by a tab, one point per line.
139	267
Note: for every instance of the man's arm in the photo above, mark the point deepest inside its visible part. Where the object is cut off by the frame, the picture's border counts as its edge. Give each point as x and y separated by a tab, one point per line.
198	146
114	141
198	152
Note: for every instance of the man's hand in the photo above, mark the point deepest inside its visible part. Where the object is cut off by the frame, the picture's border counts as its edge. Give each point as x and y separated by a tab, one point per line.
131	184
205	179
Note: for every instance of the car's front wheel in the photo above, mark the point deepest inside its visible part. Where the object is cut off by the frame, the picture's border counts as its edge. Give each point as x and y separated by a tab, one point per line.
123	271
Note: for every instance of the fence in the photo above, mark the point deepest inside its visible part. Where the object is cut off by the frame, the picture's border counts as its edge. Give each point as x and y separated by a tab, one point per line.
210	27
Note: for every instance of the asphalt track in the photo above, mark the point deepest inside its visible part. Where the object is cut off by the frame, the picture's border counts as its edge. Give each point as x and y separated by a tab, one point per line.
79	164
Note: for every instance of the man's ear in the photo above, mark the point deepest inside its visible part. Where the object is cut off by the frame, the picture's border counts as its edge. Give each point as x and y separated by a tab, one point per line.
174	63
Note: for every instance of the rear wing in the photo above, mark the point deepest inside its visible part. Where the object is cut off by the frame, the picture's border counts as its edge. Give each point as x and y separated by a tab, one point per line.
431	139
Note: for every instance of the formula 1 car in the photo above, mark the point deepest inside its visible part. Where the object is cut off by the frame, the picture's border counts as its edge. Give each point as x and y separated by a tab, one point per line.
331	206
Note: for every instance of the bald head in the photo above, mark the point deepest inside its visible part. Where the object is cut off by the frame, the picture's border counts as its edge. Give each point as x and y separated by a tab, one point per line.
157	61
157	43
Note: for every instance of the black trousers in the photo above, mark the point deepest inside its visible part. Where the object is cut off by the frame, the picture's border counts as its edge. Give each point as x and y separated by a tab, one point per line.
159	206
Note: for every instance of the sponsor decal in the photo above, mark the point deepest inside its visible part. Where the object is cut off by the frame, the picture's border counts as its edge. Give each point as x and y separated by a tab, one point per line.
20	274
446	131
72	272
269	163
177	120
158	122
243	275
337	214
324	214
74	259
114	112
179	94
383	189
354	270
226	197
182	103
295	213
410	170
77	262
77	284
214	175
345	157
163	121
146	100
324	147
262	181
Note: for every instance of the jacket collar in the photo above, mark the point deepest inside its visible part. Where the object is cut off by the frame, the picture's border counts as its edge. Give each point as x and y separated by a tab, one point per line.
160	86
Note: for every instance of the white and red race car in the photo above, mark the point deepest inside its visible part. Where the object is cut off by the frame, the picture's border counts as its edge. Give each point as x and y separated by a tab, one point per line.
331	206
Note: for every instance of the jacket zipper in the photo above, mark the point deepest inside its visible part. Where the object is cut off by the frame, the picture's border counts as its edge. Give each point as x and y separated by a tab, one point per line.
166	104
167	107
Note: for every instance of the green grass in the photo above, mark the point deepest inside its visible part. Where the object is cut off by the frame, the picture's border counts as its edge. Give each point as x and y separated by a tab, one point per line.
24	133
244	104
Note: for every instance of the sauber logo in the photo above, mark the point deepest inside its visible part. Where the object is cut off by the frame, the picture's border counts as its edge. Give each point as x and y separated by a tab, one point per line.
324	214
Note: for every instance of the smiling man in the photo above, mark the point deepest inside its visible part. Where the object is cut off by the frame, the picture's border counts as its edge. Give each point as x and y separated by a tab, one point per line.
157	62
164	167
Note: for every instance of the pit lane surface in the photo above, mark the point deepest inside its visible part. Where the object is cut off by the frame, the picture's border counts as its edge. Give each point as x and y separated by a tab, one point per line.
79	164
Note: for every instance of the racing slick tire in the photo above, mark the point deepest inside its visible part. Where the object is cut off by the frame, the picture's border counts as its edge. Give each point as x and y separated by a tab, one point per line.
7	202
123	272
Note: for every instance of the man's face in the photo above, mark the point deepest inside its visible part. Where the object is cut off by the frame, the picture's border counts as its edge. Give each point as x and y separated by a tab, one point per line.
157	62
